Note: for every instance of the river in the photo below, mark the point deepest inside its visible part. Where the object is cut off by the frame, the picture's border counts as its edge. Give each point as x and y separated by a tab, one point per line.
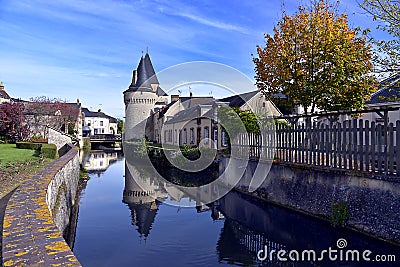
115	229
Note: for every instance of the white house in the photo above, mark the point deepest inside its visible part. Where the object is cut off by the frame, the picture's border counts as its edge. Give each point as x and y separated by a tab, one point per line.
4	97
98	123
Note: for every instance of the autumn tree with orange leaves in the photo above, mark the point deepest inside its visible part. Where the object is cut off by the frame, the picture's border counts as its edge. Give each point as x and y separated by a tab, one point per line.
316	61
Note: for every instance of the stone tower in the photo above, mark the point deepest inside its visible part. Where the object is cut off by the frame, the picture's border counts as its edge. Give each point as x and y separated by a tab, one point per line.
140	99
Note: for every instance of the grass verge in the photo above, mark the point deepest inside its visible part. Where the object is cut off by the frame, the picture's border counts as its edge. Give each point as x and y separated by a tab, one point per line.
16	165
10	153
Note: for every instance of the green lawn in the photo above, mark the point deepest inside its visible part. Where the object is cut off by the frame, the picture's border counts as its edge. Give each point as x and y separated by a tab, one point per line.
16	165
9	152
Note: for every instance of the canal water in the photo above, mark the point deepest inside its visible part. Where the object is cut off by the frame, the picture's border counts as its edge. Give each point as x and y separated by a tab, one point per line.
115	229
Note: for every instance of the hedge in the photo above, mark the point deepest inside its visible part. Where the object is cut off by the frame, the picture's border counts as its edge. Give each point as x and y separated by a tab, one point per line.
29	145
49	151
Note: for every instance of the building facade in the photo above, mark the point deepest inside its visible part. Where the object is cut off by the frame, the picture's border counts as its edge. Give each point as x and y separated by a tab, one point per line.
4	97
98	123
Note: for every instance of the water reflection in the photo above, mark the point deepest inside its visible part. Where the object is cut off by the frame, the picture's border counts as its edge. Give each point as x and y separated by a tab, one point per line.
227	232
250	226
142	194
98	161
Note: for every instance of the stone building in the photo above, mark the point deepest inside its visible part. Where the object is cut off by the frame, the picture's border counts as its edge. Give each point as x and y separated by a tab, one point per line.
200	121
4	97
141	98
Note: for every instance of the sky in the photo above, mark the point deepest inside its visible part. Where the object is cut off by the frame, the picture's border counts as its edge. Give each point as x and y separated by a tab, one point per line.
71	49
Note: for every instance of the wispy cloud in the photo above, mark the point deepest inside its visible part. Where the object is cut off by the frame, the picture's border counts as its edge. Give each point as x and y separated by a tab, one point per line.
213	23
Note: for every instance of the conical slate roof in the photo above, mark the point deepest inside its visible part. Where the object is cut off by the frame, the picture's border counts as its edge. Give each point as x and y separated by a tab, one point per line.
151	75
146	76
143	216
142	81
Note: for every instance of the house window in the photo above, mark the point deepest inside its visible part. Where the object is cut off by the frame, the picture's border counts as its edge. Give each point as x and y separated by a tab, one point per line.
191	135
89	123
165	136
223	138
102	130
215	138
101	123
206	135
184	136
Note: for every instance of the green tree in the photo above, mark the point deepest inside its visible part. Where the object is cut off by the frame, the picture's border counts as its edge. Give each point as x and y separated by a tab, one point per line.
235	119
387	13
316	61
120	125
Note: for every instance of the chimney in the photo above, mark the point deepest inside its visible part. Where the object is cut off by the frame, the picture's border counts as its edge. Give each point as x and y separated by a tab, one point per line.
134	77
174	97
191	94
99	110
78	101
1	86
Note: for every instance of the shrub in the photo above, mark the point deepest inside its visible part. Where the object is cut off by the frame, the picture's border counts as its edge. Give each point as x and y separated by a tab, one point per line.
340	214
29	145
38	139
49	151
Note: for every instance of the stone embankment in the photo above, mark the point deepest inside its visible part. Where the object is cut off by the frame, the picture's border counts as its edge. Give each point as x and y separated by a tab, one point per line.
38	212
370	203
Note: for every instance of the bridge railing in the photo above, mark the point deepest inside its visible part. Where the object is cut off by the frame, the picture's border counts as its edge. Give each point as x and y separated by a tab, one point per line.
108	137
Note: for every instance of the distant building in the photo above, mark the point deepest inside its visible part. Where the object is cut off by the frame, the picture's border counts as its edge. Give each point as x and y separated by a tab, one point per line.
142	97
388	95
254	101
4	97
98	123
178	104
200	122
64	117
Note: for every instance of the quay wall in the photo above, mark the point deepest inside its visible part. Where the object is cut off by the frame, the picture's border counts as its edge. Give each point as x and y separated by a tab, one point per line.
38	213
372	202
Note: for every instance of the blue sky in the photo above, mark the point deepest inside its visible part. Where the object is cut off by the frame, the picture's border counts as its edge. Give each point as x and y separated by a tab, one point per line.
88	49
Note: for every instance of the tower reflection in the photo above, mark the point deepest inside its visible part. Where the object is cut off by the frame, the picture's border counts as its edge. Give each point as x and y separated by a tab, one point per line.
143	195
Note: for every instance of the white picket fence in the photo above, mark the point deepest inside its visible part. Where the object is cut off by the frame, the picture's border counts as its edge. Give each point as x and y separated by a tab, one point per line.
353	145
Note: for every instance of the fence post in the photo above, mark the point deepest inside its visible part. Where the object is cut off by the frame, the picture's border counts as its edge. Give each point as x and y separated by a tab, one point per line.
361	143
390	156
339	144
373	146
367	147
344	143
397	148
355	145
334	143
302	143
379	147
313	144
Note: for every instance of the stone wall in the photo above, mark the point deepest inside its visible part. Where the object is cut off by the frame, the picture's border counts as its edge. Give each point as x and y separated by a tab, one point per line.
58	138
38	213
372	203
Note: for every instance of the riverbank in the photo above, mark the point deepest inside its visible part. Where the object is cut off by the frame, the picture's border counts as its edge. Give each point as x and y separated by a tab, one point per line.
38	211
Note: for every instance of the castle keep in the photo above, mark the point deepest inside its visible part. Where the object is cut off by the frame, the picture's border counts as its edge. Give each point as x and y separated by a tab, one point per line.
143	95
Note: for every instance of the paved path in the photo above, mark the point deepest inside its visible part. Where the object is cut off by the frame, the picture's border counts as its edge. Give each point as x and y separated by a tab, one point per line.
3	205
